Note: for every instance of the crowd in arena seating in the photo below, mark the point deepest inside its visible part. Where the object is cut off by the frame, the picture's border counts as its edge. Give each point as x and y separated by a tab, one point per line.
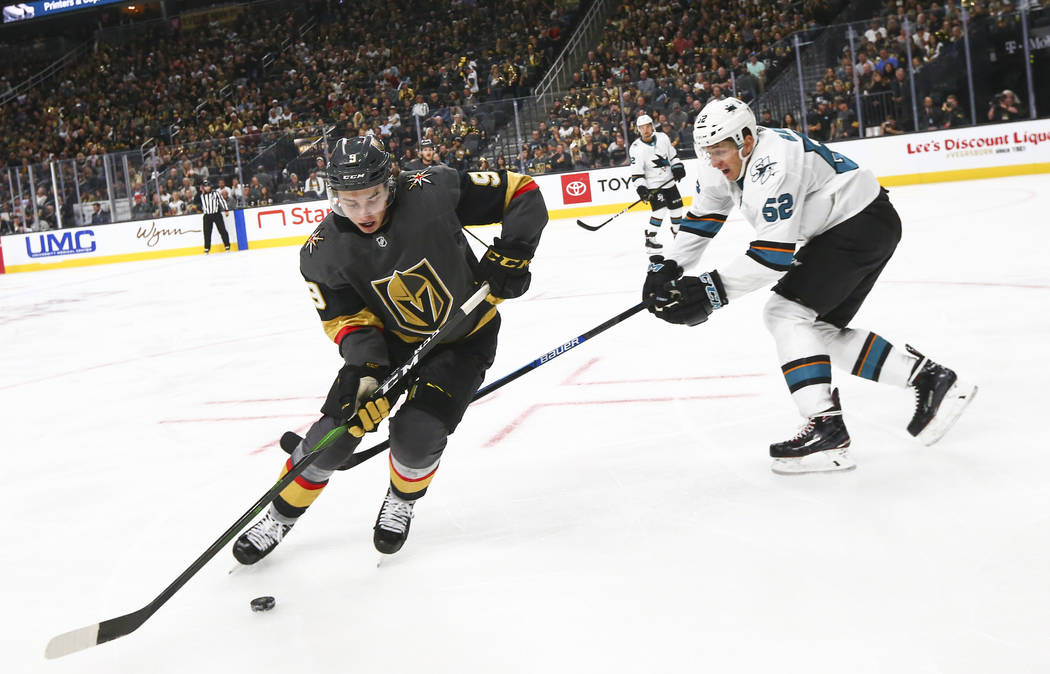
925	40
251	103
356	69
665	59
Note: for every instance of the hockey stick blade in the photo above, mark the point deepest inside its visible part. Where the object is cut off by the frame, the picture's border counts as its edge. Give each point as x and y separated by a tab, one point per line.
591	228
595	228
108	630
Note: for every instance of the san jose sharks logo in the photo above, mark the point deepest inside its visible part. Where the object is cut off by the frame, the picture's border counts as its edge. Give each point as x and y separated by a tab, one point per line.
762	170
313	240
416	298
730	108
417	178
659	161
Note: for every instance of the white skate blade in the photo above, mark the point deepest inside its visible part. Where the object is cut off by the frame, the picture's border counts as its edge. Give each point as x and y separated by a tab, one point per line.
828	461
955	401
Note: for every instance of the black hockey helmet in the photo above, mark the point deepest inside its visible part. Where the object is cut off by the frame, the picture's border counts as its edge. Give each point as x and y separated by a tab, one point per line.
357	164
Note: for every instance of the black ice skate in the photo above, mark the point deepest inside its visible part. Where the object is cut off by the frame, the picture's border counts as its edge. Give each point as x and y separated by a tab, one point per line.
820	446
939	399
260	540
651	243
391	530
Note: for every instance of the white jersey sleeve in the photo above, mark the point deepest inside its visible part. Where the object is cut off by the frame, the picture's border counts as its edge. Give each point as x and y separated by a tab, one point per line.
712	203
651	162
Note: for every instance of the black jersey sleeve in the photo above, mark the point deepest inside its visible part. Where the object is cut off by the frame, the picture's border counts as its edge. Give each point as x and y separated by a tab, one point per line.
503	196
349	323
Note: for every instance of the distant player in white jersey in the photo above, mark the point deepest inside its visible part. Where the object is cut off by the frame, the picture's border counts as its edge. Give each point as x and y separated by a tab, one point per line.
825	229
655	168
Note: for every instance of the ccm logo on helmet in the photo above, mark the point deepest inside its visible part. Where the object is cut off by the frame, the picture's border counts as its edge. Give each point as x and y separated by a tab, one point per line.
576	188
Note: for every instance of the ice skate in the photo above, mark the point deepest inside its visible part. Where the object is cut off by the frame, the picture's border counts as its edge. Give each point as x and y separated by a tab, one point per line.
391	529
820	446
940	399
260	540
651	243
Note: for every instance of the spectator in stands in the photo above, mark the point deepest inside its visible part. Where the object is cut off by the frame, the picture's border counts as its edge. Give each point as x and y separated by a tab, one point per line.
929	115
889	126
314	187
617	151
99	216
788	122
844	125
140	209
189	202
175	205
952	114
820	121
293	190
758	69
1004	107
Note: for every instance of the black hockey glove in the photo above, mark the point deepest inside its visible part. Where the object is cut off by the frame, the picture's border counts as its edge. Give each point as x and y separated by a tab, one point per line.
643	192
661	273
682	300
506	268
677	172
349	398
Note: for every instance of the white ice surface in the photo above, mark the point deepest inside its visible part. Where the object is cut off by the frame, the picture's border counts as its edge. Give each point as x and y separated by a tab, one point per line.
612	511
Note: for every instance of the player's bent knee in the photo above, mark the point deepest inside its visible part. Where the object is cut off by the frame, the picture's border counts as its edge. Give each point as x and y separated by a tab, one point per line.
335	454
417	437
781	314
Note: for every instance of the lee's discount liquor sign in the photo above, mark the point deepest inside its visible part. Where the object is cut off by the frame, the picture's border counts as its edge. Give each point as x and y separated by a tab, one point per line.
987	150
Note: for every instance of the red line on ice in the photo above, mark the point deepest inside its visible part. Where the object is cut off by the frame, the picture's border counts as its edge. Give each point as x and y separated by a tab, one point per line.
509	428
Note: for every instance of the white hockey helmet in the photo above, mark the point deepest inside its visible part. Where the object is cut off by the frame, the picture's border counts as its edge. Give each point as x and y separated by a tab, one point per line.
642	120
719	120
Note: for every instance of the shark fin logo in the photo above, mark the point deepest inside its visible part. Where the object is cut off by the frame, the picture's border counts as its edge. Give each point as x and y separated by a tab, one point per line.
416	298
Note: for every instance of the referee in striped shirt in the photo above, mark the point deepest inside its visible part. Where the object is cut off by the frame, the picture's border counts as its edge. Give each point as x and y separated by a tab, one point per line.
212	203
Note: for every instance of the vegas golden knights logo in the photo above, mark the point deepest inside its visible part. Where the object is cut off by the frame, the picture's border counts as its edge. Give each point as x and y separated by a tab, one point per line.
416	298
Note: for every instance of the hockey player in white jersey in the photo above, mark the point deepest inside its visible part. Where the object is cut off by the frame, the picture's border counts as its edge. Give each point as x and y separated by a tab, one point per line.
655	168
825	229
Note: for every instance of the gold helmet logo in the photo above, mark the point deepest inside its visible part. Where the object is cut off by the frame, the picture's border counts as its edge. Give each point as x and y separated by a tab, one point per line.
416	298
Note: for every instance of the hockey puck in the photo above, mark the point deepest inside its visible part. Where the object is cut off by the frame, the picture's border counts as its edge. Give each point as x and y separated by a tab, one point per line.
263	603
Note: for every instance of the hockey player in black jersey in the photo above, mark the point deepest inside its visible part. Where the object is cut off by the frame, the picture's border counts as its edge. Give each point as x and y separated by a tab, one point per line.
385	269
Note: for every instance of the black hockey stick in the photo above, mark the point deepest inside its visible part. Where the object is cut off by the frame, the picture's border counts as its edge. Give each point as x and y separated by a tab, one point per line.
595	228
365	455
107	630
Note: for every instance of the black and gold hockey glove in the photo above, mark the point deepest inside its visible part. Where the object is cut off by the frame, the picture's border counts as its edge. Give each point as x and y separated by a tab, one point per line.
506	269
349	399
